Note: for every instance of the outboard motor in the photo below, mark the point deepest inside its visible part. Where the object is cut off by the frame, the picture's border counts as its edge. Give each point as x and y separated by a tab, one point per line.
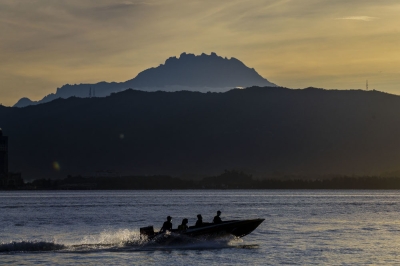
147	232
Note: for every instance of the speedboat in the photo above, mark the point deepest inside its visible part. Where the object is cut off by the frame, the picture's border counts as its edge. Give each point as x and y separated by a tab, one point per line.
237	228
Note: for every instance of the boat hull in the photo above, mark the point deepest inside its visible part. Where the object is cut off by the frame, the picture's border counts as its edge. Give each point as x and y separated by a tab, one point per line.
237	228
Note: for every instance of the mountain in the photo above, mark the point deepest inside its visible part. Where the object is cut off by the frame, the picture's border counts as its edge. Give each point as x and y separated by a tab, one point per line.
260	130
188	72
24	102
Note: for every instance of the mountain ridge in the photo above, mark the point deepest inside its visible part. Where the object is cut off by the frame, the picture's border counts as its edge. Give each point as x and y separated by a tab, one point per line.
188	72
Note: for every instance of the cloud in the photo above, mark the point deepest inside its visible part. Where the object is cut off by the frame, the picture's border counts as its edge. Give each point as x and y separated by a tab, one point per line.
359	18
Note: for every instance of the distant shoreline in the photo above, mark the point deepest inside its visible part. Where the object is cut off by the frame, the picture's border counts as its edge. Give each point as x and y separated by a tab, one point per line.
208	189
229	180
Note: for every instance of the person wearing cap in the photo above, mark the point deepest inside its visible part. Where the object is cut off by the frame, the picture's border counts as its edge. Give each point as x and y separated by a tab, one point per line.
167	225
199	221
183	226
217	219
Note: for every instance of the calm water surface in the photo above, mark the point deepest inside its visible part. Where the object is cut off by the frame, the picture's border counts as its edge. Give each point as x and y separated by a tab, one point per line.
101	227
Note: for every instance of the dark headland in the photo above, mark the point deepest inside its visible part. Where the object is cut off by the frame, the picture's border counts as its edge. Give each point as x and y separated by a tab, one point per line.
266	132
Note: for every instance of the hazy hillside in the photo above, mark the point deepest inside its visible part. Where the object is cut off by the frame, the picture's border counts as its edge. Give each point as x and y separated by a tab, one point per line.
188	72
259	130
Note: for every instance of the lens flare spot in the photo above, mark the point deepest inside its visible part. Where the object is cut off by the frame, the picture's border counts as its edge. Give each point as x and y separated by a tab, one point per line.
56	166
121	136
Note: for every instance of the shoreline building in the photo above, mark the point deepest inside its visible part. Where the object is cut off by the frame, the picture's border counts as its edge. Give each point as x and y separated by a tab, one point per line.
3	155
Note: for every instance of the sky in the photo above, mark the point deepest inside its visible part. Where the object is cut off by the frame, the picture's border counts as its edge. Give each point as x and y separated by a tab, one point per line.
331	44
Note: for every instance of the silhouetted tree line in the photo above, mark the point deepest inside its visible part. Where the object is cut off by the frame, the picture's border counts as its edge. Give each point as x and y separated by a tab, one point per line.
227	180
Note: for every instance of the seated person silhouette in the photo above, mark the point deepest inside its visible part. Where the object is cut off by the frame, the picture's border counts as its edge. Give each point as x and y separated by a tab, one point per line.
167	225
199	221
183	226
217	219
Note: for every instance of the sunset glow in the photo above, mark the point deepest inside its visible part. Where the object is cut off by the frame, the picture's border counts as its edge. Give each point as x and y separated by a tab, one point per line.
330	44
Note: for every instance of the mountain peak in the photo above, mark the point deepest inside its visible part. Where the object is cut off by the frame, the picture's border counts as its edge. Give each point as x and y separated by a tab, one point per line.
200	71
188	56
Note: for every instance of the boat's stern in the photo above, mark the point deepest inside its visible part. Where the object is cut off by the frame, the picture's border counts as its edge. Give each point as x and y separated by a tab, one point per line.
147	232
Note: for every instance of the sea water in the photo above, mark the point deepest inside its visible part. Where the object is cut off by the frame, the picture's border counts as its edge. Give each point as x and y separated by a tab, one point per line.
102	227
